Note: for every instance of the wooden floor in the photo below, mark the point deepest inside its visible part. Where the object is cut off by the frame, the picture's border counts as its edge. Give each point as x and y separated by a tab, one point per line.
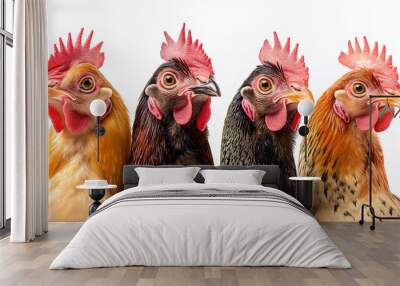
375	257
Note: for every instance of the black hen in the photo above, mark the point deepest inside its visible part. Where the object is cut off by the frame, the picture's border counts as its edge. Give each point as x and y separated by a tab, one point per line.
262	118
170	124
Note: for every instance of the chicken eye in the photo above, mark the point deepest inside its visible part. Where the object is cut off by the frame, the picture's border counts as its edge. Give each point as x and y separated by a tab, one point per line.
359	89
265	85
87	84
169	80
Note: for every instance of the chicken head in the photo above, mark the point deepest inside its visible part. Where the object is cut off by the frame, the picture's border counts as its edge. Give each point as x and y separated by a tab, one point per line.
74	82
275	88
184	85
372	74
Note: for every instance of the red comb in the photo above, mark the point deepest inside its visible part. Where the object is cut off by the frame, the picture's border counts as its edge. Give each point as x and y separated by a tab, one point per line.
190	52
295	70
66	56
381	67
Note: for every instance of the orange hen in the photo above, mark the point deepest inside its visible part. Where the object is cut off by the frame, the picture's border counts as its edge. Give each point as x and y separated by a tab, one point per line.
338	139
74	82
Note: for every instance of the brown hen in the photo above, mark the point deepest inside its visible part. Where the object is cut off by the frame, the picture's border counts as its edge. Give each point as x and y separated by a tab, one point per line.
338	140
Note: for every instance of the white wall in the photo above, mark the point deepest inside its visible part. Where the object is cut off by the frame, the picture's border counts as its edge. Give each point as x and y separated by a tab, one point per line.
232	33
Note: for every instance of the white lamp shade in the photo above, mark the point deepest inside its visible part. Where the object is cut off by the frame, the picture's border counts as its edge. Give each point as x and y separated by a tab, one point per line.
98	107
305	107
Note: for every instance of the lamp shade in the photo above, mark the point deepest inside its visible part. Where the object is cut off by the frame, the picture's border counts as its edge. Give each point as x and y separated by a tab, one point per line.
98	107
305	107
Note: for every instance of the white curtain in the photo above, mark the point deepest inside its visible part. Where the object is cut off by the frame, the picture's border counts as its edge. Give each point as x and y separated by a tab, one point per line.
26	123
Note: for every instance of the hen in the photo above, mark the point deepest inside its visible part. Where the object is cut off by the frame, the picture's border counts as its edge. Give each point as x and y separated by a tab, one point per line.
74	81
260	126
338	142
170	124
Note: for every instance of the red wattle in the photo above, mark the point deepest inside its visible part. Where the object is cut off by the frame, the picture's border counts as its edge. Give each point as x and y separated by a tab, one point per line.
384	122
56	119
277	121
183	114
74	120
295	122
204	115
362	122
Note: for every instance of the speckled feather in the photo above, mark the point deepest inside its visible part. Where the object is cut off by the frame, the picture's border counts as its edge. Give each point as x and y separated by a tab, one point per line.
244	143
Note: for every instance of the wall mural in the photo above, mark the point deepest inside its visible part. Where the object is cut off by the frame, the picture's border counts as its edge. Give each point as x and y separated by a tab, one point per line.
338	143
170	122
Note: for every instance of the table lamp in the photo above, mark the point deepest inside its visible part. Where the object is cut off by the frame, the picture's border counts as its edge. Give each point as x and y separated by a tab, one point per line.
98	108
305	108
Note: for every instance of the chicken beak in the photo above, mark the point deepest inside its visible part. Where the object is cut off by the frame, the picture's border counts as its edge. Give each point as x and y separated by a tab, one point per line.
57	94
210	88
390	102
53	93
299	95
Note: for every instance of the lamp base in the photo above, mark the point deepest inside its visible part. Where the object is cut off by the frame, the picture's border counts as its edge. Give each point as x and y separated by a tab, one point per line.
373	216
96	195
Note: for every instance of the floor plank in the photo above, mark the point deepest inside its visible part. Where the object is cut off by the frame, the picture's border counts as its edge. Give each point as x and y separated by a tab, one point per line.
375	257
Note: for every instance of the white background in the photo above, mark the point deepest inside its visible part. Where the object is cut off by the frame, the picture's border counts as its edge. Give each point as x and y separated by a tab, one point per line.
232	33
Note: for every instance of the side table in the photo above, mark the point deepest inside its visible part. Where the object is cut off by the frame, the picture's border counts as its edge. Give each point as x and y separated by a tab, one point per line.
304	190
96	192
